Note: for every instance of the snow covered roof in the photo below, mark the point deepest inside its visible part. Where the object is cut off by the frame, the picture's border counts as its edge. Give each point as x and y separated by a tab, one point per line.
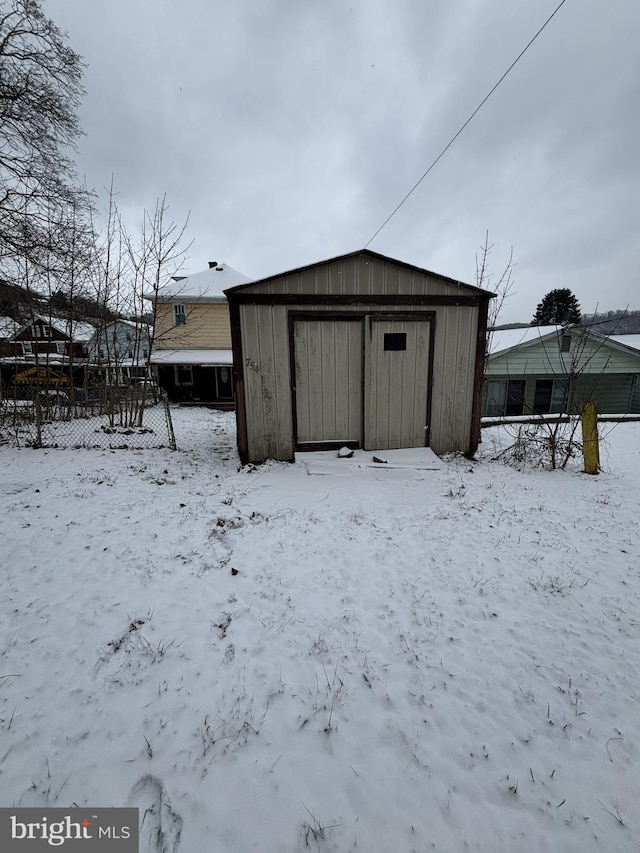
632	341
210	357
79	331
206	286
505	339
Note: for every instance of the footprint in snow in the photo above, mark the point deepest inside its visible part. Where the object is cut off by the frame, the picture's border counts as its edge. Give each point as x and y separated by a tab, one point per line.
160	826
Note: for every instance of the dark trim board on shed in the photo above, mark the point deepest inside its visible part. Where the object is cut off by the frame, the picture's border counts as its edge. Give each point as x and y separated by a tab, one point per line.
335	300
398	383
345	381
329	348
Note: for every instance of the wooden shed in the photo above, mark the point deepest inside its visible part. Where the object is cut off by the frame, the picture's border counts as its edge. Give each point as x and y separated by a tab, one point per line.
360	350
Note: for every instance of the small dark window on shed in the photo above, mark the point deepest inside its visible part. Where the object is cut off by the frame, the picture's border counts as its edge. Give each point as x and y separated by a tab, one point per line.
395	341
566	343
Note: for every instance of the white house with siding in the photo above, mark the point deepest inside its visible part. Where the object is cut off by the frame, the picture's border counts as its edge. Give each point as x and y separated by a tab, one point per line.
121	349
546	369
360	350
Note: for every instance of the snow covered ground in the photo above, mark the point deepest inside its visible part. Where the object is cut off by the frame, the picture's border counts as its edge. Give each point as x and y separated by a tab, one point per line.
389	659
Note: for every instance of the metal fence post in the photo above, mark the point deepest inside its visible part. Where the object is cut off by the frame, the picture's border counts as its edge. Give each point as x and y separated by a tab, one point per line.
167	412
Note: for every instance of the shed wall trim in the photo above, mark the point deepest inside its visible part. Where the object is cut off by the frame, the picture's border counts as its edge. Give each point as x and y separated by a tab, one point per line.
238	382
346	299
481	357
342	414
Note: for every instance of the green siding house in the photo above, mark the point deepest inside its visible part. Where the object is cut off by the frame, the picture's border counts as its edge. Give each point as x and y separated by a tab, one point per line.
540	370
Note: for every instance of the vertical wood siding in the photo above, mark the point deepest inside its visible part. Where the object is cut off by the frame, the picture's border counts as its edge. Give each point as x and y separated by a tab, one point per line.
396	385
453	378
268	381
328	380
363	275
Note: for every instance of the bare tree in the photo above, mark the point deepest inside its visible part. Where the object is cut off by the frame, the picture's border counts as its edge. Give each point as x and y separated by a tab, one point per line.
156	257
548	432
503	286
40	92
128	269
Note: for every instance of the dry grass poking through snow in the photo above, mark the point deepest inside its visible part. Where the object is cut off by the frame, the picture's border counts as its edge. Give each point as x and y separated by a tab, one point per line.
268	660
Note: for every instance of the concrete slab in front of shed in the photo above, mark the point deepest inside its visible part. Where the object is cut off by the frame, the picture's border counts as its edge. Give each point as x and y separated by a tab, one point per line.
405	463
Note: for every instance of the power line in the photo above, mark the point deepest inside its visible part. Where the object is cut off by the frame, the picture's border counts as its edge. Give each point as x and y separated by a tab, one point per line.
473	114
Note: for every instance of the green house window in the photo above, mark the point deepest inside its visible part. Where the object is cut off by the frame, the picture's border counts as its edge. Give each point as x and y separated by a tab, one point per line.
505	397
551	395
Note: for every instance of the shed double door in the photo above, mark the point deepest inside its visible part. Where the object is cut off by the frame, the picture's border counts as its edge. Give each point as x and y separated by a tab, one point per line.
361	381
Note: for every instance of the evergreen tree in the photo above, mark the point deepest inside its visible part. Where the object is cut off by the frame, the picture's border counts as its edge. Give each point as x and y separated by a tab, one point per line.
558	307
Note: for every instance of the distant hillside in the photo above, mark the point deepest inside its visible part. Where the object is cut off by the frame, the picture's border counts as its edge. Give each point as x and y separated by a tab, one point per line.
22	305
18	303
620	322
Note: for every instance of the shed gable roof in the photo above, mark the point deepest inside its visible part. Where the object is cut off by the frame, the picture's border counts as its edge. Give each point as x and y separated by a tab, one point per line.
262	285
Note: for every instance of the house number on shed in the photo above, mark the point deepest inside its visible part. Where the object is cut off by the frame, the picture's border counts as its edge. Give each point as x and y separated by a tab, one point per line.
252	365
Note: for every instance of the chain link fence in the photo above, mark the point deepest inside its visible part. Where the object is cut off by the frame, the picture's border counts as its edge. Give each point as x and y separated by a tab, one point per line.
131	417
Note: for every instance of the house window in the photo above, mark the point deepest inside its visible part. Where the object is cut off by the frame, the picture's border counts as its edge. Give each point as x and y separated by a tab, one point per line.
46	331
27	348
61	347
505	397
179	315
551	395
565	344
183	374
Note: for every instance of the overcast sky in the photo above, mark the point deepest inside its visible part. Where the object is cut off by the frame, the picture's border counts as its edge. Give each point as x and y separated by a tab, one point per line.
290	129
